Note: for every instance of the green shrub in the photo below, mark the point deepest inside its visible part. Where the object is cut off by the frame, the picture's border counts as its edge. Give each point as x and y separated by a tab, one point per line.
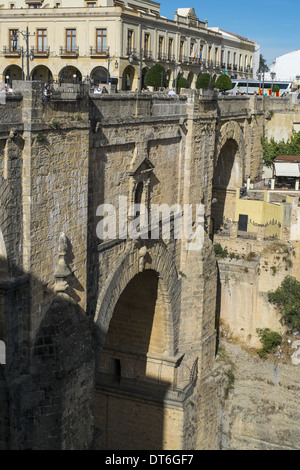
219	251
156	76
182	83
223	83
203	81
287	298
269	340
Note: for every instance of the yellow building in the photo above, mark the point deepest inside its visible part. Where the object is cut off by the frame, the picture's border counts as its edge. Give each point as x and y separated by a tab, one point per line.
70	40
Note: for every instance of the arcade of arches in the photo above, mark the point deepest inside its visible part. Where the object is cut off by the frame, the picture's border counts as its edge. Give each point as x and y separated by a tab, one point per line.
128	81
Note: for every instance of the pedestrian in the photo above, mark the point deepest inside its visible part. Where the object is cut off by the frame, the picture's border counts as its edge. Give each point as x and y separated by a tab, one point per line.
104	90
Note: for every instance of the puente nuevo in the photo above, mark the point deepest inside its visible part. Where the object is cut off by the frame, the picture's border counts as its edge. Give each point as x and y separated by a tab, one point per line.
119	343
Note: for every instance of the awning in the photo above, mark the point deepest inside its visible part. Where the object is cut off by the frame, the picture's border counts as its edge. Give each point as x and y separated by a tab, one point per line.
287	169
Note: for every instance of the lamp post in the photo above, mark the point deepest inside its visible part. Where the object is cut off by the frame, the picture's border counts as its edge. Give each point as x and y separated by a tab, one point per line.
7	79
248	68
273	75
29	54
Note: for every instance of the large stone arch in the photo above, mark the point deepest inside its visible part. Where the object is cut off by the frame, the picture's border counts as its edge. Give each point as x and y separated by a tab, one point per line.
136	259
229	172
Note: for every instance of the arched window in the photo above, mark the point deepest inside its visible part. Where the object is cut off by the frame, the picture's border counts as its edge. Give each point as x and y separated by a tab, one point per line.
138	194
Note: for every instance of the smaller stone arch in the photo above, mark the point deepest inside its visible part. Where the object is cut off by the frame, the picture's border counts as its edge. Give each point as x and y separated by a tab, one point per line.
99	75
230	130
128	78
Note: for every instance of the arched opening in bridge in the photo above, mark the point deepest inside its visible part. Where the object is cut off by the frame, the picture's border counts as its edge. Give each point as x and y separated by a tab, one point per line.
134	374
227	178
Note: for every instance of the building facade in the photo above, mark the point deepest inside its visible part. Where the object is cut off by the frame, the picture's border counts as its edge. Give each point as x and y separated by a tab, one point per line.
114	40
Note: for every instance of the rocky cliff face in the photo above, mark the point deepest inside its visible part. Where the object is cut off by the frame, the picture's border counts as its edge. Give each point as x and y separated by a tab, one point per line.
262	409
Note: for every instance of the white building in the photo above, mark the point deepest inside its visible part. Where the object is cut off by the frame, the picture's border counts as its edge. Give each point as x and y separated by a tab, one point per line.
286	67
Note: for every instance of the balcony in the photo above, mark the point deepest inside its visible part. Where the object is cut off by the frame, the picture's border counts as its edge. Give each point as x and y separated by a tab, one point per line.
95	52
8	52
131	51
148	55
40	53
73	52
171	58
162	56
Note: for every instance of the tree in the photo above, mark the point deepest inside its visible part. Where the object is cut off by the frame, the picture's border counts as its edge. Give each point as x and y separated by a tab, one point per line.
287	298
156	76
272	149
182	83
224	83
276	89
262	68
203	81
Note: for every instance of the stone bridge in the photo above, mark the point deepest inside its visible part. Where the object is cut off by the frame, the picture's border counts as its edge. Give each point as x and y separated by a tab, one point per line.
110	339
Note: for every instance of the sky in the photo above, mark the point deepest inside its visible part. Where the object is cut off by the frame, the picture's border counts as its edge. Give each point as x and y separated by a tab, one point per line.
274	24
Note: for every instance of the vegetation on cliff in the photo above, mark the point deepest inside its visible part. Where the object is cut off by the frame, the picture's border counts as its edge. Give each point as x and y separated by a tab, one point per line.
287	298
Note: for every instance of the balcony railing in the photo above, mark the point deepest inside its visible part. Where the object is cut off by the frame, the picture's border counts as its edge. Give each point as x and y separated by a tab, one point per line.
8	52
74	51
41	52
171	58
95	52
130	50
162	56
148	55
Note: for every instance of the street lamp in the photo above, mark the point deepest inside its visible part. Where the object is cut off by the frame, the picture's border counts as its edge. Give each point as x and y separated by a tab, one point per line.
248	68
29	54
74	78
273	75
7	79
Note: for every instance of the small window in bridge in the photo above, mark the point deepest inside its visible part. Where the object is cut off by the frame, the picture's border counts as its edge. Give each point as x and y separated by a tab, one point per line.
2	353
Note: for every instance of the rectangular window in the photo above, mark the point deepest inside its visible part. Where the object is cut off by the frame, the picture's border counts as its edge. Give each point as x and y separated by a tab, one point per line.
71	40
146	44
101	35
181	51
129	41
41	40
34	5
160	46
91	4
13	40
170	50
